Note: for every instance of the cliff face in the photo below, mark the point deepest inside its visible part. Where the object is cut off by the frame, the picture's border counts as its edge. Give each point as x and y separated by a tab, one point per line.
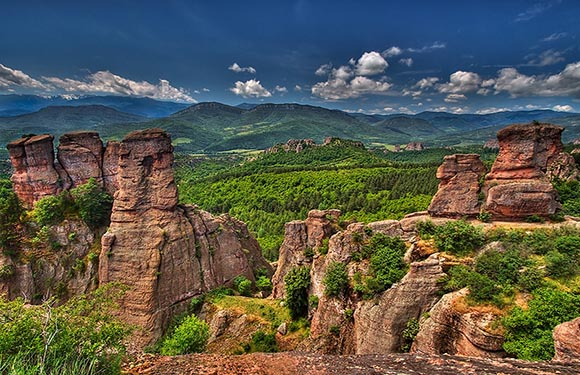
518	185
165	253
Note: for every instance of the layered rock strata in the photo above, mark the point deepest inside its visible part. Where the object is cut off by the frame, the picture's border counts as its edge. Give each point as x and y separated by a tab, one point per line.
566	342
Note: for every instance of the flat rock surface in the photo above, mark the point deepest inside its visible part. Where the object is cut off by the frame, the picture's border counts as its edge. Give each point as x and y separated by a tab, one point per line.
291	363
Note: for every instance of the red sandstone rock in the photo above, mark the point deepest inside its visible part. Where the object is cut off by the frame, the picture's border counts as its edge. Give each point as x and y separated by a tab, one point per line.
81	156
110	167
35	175
562	167
458	191
567	341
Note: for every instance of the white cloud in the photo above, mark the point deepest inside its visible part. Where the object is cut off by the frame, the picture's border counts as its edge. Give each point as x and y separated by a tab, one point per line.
16	78
389	109
251	88
454	98
535	10
281	89
563	108
205	89
105	82
461	82
426	83
408	61
238	69
371	63
554	36
548	57
565	83
323	69
297	88
343	72
336	88
487	111
393	51
429	48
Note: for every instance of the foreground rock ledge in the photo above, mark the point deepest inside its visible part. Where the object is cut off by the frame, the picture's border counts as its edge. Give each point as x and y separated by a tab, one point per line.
291	363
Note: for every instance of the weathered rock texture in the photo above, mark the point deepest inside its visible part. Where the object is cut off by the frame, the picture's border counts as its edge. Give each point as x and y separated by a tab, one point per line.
458	191
166	253
81	156
36	175
450	330
519	183
566	341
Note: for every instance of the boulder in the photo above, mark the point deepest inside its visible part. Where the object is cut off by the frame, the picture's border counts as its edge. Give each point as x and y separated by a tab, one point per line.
562	167
566	342
458	192
452	330
521	199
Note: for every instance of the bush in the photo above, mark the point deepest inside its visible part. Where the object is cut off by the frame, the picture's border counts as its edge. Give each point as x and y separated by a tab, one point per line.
531	279
386	262
9	216
189	337
529	332
94	205
243	285
297	281
458	278
560	265
426	229
264	284
409	333
262	342
502	267
482	288
80	336
49	210
458	237
336	279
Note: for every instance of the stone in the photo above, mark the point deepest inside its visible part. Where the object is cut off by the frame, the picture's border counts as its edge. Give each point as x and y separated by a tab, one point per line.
521	199
566	342
282	329
562	167
450	330
111	166
458	192
35	174
81	156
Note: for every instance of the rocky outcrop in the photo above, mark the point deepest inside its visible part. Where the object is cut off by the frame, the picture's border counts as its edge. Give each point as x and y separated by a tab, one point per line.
450	330
458	192
81	156
566	343
163	252
293	145
519	183
414	146
379	324
36	175
492	144
300	239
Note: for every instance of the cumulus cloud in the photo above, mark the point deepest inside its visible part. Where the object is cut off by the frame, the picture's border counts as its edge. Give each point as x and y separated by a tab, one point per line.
238	69
393	51
461	82
408	61
428	48
426	83
554	36
336	88
105	82
454	98
323	69
563	108
16	78
371	63
565	83
281	89
249	89
487	111
548	57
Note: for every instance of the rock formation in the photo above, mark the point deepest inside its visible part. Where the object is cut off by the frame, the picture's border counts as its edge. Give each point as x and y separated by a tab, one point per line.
450	330
36	174
81	156
492	144
414	146
566	342
519	183
458	190
166	253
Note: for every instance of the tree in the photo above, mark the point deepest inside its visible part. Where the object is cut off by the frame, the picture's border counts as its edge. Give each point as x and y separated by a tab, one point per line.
297	281
94	204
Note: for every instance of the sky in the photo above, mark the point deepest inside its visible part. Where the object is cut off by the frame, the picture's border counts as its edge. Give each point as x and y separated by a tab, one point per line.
360	56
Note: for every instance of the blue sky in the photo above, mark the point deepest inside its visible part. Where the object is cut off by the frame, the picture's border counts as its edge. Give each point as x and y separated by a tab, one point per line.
372	56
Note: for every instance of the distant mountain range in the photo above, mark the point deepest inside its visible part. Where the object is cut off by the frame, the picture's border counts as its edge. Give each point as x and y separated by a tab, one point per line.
210	127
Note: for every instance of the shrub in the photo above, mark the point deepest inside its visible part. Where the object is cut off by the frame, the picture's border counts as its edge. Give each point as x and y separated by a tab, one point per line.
313	301
336	279
560	265
409	333
264	284
297	281
9	216
94	205
569	245
426	229
531	279
458	237
535	219
189	337
49	210
458	278
484	216
502	267
529	332
262	342
482	288
386	262
80	335
243	285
